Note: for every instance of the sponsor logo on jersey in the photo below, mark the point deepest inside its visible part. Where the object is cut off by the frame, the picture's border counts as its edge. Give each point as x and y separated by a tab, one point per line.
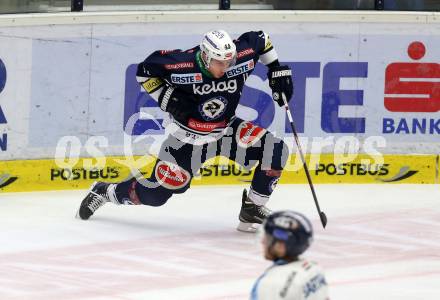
248	134
187	78
205	126
6	179
213	108
163	52
229	86
247	66
268	44
152	84
182	65
245	52
171	176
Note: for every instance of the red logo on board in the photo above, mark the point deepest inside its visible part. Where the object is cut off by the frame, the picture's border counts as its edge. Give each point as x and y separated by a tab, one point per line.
413	86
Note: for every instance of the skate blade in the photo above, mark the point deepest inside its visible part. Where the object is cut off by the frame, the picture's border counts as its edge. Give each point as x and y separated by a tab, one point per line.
248	227
77	215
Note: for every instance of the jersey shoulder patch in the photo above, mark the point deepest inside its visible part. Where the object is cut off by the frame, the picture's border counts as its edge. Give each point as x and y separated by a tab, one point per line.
252	42
171	60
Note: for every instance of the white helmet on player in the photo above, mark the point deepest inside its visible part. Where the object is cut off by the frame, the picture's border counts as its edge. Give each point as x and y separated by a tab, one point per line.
218	45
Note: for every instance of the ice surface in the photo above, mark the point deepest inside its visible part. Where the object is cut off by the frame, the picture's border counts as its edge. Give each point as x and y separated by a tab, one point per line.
381	242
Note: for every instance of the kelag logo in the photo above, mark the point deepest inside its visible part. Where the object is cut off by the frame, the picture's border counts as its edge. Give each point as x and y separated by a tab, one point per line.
412	87
4	136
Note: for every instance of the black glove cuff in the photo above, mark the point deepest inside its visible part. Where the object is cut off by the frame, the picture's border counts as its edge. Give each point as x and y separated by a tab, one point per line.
273	64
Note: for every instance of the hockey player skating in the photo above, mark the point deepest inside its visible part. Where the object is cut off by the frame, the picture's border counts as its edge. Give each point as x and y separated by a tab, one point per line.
286	235
200	88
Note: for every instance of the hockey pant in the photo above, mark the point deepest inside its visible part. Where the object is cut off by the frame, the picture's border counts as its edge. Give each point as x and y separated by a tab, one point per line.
244	143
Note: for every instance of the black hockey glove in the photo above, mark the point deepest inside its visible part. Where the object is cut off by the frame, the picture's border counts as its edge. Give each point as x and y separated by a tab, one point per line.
280	81
178	103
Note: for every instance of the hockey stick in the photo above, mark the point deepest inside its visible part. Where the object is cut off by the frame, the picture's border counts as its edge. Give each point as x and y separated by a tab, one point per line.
322	215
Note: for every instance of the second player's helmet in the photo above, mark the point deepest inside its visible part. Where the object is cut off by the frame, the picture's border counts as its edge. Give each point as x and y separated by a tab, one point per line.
217	44
293	228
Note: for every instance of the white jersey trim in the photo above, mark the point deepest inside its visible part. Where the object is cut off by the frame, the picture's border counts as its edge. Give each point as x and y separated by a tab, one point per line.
269	57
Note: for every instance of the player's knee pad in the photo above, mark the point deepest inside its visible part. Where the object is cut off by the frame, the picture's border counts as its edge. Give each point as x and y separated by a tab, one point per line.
171	177
167	179
248	135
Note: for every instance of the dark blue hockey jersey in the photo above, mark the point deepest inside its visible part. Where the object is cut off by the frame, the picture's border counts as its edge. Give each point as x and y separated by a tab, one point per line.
217	99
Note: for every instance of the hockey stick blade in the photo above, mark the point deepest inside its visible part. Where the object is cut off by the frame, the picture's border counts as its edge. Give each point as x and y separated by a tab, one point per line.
323	218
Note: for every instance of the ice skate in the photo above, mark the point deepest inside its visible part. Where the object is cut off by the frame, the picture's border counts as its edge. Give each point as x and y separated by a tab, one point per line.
96	198
251	215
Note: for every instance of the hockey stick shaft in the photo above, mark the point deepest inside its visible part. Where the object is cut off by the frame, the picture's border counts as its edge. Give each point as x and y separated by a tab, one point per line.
322	215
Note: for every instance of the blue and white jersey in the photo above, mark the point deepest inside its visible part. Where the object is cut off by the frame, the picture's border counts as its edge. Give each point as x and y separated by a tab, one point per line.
298	280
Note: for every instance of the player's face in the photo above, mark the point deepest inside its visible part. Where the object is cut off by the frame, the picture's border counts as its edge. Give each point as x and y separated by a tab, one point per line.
272	250
266	241
218	67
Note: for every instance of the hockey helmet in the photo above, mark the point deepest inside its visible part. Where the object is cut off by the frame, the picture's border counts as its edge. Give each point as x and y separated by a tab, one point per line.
292	228
218	45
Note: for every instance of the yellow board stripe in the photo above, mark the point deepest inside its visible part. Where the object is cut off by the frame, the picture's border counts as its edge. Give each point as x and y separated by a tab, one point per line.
44	175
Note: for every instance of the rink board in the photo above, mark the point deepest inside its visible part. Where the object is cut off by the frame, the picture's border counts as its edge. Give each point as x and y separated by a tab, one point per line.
43	175
73	76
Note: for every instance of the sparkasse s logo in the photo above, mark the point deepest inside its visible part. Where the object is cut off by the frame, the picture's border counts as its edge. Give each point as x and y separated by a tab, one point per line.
412	87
